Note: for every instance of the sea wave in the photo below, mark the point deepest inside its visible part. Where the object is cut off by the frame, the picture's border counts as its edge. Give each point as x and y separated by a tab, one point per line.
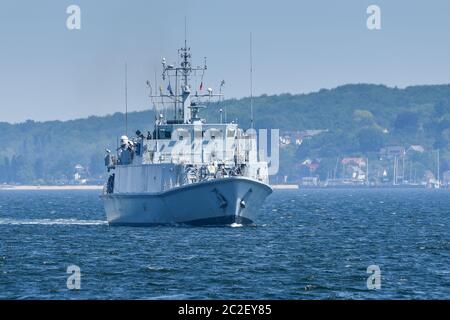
7	221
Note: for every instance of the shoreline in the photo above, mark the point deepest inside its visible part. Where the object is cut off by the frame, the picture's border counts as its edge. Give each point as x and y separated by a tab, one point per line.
274	187
56	188
285	186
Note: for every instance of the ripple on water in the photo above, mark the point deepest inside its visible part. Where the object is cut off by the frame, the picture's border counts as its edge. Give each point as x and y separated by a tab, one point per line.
306	244
8	221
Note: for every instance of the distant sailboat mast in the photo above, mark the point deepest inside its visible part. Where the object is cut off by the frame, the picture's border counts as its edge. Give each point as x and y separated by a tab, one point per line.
438	170
395	170
367	171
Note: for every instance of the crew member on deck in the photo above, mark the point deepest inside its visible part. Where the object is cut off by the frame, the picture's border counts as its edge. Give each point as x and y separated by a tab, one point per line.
125	151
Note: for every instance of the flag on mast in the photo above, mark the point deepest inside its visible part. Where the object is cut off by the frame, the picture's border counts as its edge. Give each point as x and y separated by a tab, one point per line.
169	88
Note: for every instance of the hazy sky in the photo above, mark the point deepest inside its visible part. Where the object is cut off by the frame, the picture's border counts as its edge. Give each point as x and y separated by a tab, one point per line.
49	72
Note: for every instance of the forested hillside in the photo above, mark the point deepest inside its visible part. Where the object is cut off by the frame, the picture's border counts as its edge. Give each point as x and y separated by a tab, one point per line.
360	120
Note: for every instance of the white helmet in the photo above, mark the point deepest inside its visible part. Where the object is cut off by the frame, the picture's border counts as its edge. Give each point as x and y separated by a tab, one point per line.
124	140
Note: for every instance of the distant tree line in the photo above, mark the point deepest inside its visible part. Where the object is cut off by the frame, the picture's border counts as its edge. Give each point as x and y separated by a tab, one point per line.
360	120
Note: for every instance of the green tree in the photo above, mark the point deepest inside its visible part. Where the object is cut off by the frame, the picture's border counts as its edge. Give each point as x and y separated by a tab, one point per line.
370	139
407	121
363	117
442	108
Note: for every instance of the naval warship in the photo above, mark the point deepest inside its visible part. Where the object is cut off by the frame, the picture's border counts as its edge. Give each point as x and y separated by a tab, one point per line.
185	170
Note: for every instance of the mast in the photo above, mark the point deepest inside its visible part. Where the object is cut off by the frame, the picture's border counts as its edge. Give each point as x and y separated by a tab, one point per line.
251	81
395	170
186	90
438	170
188	111
126	99
367	171
185	56
403	168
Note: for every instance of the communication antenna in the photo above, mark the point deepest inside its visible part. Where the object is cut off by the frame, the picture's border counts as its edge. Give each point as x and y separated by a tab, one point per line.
222	83
251	81
126	99
185	32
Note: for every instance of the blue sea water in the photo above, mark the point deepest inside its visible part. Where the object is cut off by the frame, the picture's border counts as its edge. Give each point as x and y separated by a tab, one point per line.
307	244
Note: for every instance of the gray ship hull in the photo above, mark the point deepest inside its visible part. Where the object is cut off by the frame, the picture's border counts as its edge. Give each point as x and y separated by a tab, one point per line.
213	202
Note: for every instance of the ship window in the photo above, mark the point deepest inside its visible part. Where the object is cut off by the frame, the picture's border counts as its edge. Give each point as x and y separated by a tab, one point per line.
180	138
164	134
230	133
198	134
